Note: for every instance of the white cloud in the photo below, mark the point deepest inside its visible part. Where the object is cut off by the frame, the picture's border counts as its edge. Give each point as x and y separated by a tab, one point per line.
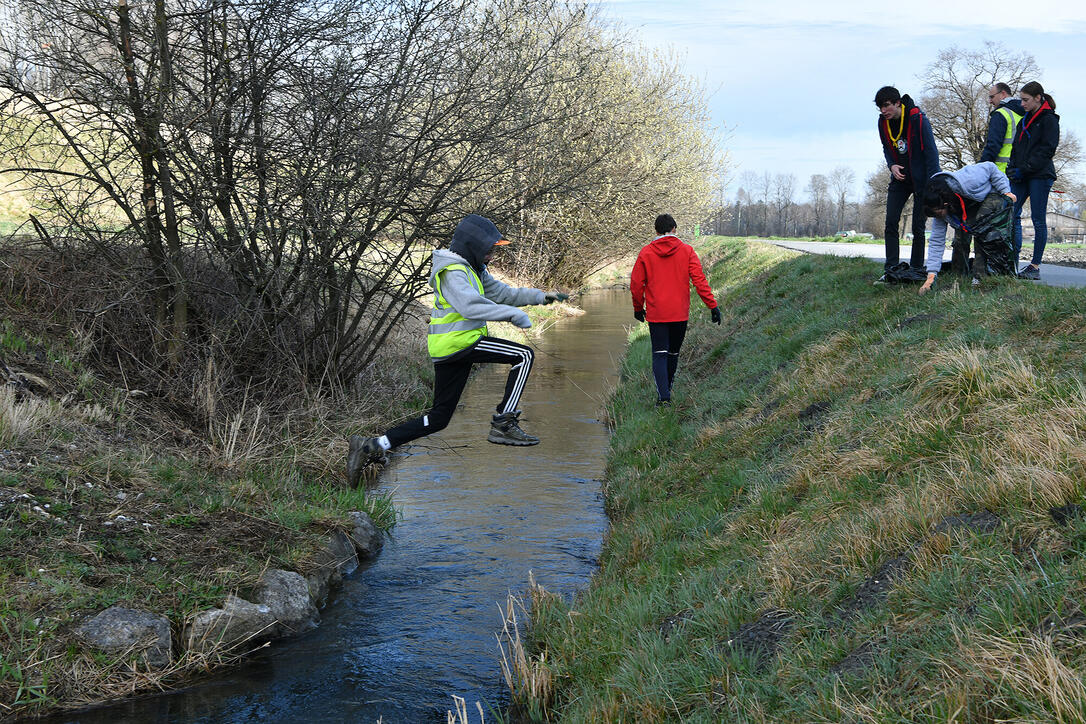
917	17
793	81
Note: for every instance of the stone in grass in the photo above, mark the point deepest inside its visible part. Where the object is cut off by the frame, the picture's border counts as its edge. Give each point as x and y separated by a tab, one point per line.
873	591
815	410
1066	627
857	661
761	638
118	630
342	554
338	559
286	594
236	623
366	535
673	623
979	522
918	319
1064	514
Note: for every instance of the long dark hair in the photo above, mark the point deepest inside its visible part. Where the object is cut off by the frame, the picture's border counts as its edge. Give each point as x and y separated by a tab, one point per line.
1034	88
937	195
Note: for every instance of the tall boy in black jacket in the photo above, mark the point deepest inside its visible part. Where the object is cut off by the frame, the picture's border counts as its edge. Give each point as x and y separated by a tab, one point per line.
908	145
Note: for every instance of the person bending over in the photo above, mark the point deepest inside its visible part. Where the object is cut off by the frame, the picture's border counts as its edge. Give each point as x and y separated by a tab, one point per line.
977	201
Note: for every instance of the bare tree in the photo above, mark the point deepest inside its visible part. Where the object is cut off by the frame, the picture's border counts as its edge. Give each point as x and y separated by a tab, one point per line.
784	191
842	178
293	161
956	95
873	207
818	188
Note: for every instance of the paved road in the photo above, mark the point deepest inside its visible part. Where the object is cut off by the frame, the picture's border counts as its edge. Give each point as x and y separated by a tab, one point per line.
1051	274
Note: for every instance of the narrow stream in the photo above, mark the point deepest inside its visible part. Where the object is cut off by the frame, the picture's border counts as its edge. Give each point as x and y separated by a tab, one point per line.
418	624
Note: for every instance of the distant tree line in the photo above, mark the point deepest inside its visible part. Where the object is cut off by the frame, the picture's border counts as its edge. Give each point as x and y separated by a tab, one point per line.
766	205
285	165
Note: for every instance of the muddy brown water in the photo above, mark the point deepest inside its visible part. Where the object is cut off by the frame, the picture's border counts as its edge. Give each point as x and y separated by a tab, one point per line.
419	624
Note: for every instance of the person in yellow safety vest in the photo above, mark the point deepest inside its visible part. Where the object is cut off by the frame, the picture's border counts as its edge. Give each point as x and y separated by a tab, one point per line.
466	297
1007	111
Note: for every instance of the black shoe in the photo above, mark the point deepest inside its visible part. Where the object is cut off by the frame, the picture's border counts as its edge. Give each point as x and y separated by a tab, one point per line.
361	451
1030	272
663	403
505	430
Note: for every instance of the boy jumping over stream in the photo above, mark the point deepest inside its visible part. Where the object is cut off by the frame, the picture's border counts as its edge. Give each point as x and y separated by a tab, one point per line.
660	285
466	297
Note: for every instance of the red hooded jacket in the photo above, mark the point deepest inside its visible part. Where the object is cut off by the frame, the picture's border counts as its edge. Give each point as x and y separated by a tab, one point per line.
660	281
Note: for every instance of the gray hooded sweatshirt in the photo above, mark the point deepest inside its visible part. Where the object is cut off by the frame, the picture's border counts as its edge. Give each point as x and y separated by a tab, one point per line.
975	182
472	241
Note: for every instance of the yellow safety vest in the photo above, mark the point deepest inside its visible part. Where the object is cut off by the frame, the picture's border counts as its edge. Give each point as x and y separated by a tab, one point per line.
1012	119
449	331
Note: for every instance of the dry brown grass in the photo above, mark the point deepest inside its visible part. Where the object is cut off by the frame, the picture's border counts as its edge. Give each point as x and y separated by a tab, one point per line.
1027	665
528	677
20	420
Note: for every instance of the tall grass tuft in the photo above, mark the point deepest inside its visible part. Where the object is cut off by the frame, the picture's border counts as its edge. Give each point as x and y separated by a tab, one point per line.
20	420
1004	675
967	375
528	677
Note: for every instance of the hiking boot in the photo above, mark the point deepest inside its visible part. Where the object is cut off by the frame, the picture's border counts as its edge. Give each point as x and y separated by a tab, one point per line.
505	430
663	403
1030	272
361	452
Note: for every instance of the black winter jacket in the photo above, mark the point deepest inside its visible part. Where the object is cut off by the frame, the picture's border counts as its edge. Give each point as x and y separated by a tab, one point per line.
922	156
1035	144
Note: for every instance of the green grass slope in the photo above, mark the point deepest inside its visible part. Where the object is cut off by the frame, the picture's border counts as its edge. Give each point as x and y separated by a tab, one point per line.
863	506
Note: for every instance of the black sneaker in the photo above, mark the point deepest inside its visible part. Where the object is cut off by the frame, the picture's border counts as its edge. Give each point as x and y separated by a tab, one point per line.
663	403
1030	272
361	451
505	430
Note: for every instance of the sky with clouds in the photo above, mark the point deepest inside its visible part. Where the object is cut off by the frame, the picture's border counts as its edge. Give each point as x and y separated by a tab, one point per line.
791	82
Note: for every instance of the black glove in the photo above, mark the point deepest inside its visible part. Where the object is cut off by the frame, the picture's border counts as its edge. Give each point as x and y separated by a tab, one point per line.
1014	174
715	312
552	297
639	315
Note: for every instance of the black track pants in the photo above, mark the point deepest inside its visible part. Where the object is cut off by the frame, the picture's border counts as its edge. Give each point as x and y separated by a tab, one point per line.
451	376
667	339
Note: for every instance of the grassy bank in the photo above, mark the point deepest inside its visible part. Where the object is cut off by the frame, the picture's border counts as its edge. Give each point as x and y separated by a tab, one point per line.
864	505
119	485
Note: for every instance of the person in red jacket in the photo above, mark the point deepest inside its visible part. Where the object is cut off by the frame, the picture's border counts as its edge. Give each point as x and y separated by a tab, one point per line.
660	285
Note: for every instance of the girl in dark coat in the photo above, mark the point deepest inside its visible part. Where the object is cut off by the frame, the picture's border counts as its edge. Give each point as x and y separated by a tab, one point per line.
1031	170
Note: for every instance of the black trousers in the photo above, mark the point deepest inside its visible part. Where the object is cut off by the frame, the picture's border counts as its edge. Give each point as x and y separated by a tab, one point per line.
959	262
896	196
450	377
667	340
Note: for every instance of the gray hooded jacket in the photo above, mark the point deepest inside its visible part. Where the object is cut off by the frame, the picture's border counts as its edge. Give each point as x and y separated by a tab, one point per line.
472	241
975	182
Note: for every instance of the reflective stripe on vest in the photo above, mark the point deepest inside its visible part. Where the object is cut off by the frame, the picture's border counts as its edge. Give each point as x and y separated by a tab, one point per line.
450	332
1012	119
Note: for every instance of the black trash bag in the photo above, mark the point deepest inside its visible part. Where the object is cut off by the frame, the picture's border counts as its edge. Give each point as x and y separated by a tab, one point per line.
903	273
994	234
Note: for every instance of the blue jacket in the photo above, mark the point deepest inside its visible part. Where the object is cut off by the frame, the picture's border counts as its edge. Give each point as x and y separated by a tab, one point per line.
997	129
922	156
975	183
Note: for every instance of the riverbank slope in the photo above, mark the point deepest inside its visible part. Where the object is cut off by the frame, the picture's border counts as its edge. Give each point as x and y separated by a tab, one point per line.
863	505
180	495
